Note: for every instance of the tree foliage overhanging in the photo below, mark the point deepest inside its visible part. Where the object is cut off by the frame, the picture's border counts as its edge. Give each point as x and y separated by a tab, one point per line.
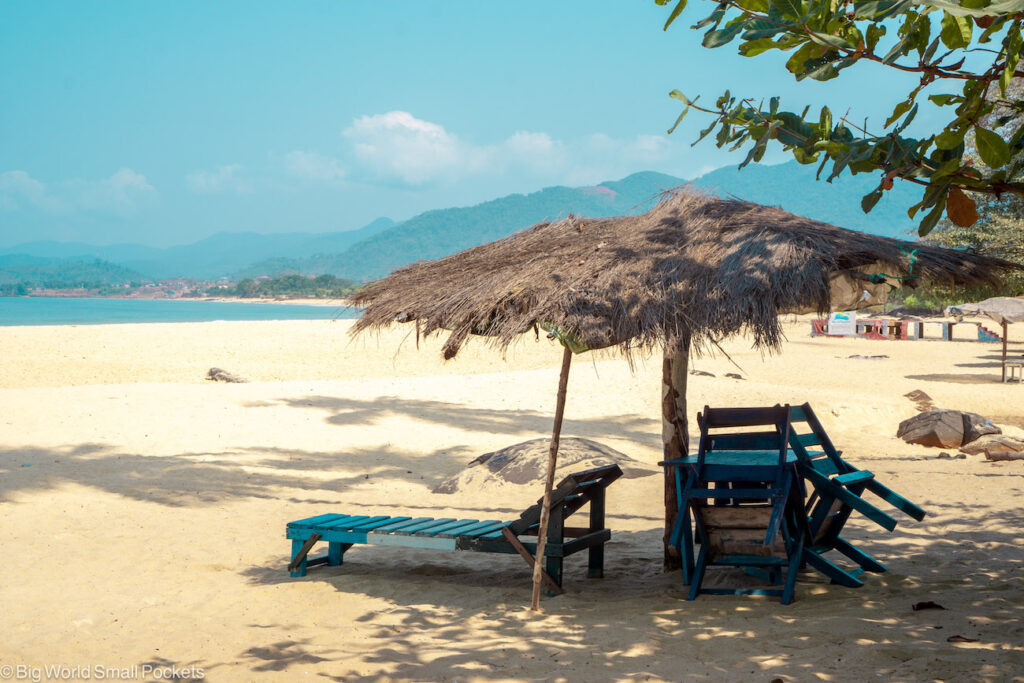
964	53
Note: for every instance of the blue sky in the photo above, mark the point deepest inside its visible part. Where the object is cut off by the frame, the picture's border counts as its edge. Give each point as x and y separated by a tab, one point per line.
162	123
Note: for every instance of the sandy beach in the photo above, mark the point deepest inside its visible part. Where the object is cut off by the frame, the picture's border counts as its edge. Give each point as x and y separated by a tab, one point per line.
144	510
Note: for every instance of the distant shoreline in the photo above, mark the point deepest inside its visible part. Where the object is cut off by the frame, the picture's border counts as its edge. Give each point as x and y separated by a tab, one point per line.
337	303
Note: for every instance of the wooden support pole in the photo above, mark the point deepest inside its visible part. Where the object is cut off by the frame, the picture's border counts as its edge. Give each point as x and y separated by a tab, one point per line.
1004	349
674	434
549	482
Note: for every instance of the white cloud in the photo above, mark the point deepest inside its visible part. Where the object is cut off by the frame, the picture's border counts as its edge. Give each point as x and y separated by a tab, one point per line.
19	189
122	192
313	166
226	178
398	147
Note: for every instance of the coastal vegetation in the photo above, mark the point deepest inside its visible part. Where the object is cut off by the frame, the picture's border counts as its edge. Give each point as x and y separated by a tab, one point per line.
963	54
288	286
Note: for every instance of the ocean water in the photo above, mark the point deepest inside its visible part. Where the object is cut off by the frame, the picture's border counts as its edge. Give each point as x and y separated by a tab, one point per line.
68	311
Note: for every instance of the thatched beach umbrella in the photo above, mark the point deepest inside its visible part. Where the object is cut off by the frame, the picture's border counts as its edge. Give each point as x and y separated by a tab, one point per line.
692	271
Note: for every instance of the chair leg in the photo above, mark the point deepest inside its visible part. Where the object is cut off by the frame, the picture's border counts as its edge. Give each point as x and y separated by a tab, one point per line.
868	563
698	577
796	553
687	549
834	572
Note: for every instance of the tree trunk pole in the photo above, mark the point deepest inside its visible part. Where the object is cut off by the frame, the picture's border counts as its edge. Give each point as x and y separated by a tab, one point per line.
549	482
1004	350
674	434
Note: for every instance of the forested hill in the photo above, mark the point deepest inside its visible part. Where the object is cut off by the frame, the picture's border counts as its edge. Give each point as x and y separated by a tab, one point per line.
438	233
380	247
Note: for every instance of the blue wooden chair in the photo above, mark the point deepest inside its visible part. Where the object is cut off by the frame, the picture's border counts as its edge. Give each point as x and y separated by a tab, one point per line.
744	498
342	531
838	490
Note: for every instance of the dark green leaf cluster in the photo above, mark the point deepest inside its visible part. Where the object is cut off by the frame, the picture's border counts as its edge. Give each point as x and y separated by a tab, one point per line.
931	39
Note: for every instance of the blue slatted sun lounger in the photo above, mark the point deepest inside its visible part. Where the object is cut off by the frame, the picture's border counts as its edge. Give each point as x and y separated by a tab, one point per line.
342	531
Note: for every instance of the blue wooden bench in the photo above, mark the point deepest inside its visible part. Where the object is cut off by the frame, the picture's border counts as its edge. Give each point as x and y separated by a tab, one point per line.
342	531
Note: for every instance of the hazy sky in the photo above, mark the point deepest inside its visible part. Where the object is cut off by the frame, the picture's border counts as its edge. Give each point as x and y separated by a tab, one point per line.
165	122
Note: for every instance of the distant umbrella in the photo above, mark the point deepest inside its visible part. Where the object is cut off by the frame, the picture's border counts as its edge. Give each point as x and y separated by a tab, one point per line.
1002	309
692	271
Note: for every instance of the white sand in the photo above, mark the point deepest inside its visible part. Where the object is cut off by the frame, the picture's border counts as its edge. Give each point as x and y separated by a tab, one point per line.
144	509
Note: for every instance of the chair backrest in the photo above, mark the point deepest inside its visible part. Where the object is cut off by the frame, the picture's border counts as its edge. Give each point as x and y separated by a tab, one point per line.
816	438
713	419
572	493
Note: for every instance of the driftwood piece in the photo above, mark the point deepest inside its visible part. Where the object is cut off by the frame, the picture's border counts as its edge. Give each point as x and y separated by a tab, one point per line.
1004	455
218	375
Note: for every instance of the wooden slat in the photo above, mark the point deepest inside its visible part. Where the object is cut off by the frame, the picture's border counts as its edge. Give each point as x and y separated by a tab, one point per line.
396	525
416	528
426	542
716	418
854	477
341	523
312	520
484	527
452	527
386	521
362	524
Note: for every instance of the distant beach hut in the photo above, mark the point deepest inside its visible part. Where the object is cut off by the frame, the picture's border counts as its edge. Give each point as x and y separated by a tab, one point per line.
679	278
1002	309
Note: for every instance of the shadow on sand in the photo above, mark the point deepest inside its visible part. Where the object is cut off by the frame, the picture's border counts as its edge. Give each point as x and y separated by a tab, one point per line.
636	623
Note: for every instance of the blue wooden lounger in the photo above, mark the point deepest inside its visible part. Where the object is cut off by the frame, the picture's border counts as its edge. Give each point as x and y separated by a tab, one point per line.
341	532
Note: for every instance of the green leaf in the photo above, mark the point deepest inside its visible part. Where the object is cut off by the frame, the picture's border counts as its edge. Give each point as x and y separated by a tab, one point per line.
901	109
992	149
956	31
869	200
943	100
795	64
790	9
825	121
676	11
1013	44
906	122
874	32
720	37
752	48
933	216
949	139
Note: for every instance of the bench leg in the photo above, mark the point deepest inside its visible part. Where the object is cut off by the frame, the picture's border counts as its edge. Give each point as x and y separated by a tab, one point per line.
554	569
336	553
595	566
296	549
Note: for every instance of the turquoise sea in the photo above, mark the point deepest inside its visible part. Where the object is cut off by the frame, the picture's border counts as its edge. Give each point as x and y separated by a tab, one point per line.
68	311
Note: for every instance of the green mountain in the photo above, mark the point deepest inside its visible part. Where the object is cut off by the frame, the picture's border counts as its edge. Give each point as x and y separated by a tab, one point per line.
378	248
438	233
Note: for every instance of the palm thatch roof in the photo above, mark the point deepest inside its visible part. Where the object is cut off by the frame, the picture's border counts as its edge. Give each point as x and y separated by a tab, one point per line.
695	265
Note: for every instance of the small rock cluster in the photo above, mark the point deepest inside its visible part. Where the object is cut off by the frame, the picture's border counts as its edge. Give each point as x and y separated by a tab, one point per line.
968	432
